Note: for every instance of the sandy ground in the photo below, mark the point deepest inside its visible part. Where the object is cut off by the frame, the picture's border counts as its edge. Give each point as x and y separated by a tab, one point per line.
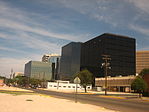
42	103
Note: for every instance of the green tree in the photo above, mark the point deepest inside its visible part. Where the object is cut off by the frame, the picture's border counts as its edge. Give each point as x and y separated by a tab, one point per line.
145	71
34	82
86	78
139	85
22	81
9	82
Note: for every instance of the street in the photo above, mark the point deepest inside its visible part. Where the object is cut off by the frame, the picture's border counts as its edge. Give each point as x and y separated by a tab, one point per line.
123	105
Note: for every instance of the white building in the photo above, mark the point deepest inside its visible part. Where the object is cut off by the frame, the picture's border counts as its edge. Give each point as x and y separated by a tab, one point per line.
65	85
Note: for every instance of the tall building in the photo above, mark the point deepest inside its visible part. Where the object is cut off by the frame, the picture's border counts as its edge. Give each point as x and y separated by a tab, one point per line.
142	60
70	60
54	60
38	70
121	50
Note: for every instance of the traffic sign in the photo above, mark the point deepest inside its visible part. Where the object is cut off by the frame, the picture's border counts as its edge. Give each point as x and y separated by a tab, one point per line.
77	80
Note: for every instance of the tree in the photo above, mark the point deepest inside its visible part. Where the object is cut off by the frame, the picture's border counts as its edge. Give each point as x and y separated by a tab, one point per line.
145	71
9	82
22	81
139	85
34	82
86	78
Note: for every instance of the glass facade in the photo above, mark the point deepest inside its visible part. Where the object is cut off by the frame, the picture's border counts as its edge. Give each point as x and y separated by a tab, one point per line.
121	50
38	70
70	60
55	62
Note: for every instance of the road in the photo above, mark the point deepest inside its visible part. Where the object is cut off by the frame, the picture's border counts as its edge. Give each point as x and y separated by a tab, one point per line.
123	105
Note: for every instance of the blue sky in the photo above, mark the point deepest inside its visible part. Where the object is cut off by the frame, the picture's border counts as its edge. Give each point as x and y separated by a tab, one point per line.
31	28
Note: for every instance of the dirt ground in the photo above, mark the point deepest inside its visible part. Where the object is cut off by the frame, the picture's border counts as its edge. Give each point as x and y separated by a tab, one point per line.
24	102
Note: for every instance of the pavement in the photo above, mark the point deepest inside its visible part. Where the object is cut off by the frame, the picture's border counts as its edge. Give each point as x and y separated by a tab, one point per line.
18	100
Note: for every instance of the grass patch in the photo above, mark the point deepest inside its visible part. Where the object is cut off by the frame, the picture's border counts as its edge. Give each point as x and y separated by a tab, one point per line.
16	93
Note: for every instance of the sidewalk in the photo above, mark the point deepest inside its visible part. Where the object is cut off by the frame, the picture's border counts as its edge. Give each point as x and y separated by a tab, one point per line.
41	103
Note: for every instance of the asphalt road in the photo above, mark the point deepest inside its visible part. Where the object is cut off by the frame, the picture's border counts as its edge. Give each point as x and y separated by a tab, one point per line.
123	105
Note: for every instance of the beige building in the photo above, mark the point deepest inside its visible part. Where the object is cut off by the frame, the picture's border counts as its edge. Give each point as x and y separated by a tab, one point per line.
122	84
142	60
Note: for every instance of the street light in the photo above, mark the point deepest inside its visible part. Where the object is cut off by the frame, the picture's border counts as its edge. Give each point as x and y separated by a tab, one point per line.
106	65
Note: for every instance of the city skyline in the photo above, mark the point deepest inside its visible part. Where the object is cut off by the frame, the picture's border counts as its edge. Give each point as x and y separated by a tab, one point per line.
31	28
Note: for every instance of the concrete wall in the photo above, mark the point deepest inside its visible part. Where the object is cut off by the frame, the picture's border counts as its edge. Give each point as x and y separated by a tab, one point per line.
65	85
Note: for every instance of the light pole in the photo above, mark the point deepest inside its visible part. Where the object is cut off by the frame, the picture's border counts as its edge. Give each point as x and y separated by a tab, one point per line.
106	65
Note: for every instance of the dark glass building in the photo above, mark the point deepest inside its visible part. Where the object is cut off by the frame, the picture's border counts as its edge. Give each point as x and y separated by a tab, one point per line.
70	60
122	51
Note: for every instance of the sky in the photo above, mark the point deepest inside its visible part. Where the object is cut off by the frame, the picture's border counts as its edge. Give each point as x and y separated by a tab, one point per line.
31	28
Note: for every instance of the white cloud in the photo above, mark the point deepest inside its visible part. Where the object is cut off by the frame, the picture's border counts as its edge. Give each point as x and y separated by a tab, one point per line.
39	44
112	12
6	64
11	49
140	29
22	21
17	64
2	35
141	4
29	41
7	23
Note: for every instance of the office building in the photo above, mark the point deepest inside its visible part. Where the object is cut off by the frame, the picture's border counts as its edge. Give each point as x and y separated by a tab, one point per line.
54	60
70	60
55	63
142	60
38	70
121	49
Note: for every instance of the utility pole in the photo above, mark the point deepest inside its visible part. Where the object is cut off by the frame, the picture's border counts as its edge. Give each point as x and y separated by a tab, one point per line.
106	65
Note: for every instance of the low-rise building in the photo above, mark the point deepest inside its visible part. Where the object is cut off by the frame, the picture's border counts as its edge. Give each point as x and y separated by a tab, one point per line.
65	85
122	84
